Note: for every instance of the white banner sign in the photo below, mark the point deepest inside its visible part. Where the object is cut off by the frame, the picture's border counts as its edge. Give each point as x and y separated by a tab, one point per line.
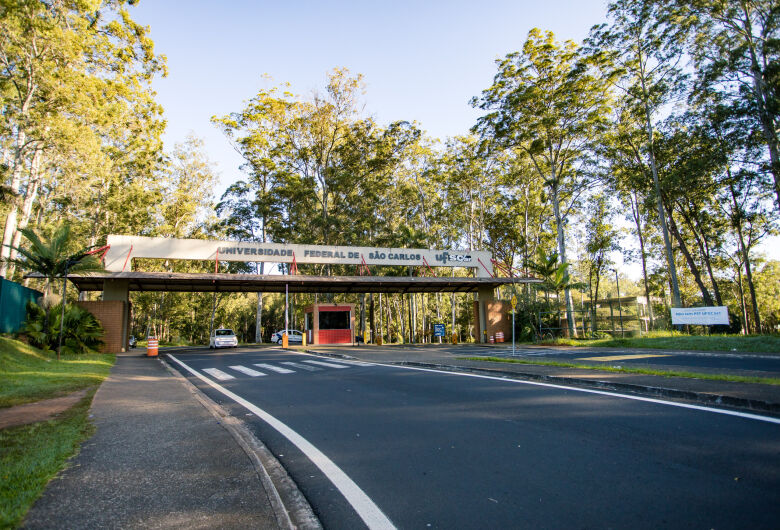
124	248
704	316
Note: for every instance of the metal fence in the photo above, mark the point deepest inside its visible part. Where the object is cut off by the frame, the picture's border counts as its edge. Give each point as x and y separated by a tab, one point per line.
13	304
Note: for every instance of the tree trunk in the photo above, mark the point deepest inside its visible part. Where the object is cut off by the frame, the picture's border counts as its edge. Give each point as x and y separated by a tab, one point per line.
745	253
691	263
742	304
399	310
638	221
762	98
412	319
562	254
657	186
381	327
11	219
259	312
372	317
30	194
701	241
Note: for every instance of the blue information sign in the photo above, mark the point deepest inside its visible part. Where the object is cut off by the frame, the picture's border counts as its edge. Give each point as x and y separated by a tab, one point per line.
438	330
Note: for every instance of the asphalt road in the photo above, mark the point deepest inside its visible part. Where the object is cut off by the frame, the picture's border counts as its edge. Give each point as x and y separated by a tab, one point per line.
438	450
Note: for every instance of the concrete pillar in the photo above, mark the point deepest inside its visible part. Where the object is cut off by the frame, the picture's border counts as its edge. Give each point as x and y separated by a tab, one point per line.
115	290
485	294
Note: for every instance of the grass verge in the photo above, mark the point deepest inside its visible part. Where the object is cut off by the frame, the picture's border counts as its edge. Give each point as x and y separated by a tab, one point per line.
678	341
33	454
643	371
27	374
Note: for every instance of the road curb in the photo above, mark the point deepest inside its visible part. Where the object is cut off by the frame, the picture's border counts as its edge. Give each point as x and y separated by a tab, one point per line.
645	390
290	507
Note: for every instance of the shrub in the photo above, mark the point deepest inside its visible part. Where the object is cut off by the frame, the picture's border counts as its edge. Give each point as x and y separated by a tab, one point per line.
82	333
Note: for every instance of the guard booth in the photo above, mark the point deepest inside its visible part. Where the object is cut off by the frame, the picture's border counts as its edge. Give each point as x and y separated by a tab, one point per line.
329	323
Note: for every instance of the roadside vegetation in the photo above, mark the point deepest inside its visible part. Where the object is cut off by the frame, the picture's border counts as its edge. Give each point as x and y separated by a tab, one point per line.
28	374
642	371
32	454
769	344
654	139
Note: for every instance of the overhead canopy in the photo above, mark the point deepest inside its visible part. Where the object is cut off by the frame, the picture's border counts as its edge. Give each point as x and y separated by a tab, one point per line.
181	282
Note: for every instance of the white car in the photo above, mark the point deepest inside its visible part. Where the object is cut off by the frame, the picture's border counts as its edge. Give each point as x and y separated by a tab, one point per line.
223	338
293	336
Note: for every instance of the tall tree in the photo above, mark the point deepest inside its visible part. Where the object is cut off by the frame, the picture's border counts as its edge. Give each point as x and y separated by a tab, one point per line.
75	82
736	50
550	102
600	241
645	51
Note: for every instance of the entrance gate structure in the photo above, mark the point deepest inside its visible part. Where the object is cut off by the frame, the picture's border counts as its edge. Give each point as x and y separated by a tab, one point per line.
121	279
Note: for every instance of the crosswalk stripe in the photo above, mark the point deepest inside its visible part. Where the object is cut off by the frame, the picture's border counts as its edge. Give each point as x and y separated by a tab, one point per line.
303	366
219	374
355	363
277	369
247	371
329	365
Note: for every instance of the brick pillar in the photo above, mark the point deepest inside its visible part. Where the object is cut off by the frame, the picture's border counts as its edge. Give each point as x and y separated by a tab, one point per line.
114	316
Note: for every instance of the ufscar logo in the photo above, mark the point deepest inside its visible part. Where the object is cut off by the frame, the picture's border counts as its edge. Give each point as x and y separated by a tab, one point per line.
446	257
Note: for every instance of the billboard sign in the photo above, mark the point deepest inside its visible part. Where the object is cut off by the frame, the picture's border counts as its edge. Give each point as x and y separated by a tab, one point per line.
701	316
124	248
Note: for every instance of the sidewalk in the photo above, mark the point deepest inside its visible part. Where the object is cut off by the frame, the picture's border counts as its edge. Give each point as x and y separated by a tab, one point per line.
159	459
758	398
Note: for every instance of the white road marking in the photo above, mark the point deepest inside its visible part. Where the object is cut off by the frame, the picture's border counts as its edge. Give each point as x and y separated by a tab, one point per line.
362	503
277	369
746	415
302	366
247	371
329	365
219	374
356	363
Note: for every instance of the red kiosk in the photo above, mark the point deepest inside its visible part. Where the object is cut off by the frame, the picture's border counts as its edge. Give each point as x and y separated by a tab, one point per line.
330	323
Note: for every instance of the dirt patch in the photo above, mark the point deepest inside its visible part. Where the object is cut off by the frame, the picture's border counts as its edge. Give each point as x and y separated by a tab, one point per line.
40	410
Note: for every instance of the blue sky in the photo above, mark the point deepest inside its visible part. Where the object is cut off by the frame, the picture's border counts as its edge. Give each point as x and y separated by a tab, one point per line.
422	61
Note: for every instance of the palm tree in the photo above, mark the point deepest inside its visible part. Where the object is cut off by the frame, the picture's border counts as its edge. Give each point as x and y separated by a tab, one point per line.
50	259
555	276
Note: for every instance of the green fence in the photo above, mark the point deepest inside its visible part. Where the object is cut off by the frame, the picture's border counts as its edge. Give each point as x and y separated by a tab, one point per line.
13	304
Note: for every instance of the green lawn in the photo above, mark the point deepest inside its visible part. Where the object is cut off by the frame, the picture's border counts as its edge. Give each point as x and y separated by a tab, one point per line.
33	454
27	374
679	341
